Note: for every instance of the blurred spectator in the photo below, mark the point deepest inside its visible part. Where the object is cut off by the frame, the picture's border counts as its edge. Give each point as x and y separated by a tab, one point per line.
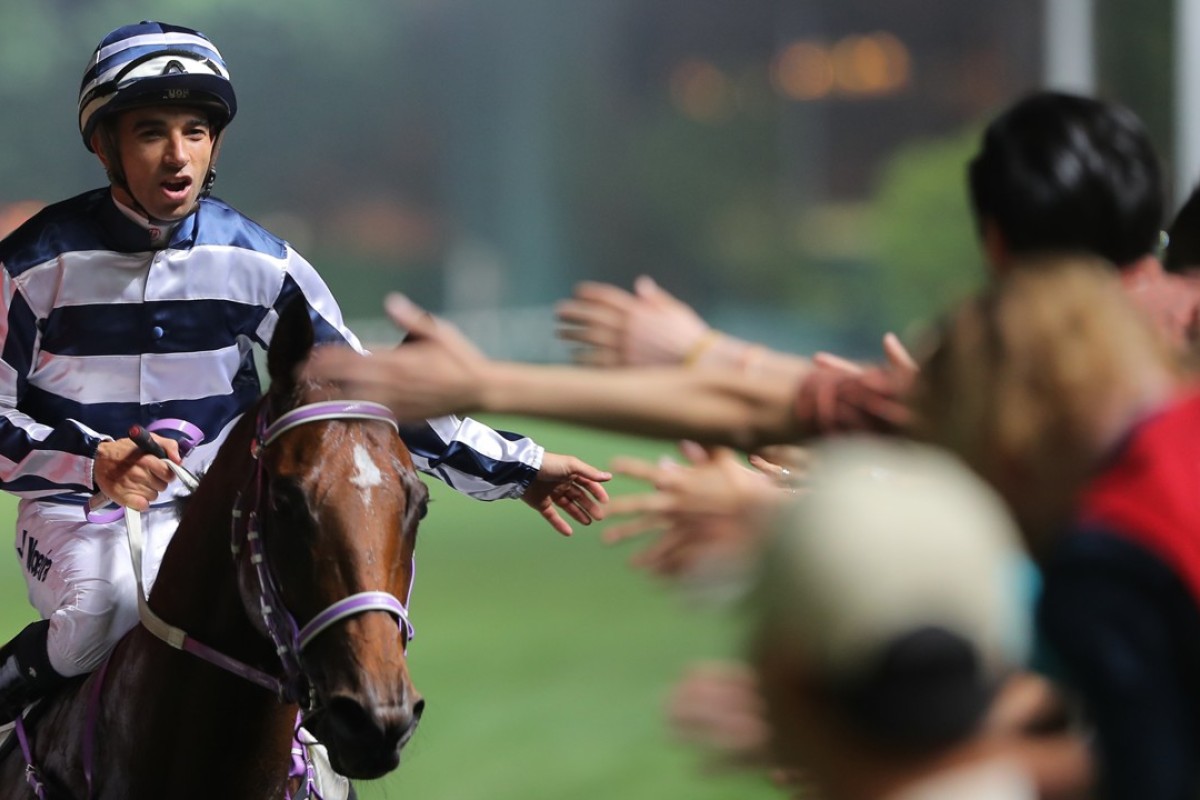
883	621
1063	174
1055	390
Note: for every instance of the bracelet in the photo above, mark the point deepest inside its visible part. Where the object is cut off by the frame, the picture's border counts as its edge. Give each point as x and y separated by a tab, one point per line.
701	346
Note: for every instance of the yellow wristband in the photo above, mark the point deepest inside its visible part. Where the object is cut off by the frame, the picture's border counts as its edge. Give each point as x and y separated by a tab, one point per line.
702	345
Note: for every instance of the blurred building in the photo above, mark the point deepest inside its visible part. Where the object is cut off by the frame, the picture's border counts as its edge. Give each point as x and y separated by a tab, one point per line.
791	167
732	150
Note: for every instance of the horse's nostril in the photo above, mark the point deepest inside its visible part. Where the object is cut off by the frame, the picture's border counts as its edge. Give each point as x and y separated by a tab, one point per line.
365	740
383	725
353	719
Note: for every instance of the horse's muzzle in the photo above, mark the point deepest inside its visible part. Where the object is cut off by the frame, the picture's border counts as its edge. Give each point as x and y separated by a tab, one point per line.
365	741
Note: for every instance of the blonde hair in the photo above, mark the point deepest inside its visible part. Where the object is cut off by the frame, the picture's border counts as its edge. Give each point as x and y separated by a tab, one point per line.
1033	379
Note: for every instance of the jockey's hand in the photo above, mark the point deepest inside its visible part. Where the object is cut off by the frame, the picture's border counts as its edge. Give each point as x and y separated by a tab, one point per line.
569	484
130	477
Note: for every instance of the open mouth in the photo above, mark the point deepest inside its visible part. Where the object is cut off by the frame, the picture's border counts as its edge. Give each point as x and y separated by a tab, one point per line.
177	187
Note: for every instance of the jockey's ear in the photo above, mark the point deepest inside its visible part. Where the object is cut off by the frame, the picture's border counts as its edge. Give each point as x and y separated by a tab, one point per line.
290	343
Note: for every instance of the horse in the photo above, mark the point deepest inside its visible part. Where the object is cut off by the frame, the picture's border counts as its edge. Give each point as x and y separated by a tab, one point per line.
322	502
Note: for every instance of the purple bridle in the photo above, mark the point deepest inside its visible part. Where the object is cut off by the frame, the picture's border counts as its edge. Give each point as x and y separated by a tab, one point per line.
290	639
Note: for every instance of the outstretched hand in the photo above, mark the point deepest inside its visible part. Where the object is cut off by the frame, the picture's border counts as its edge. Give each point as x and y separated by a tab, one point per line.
566	483
706	511
435	371
840	395
717	706
615	328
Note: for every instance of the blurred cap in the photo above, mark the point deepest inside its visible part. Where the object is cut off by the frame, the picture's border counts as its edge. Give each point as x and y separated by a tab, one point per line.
898	580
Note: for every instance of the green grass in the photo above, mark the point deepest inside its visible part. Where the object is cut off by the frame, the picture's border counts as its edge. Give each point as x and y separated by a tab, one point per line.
545	662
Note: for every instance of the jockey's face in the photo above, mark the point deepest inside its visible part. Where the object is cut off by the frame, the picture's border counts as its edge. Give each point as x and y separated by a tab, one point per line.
165	153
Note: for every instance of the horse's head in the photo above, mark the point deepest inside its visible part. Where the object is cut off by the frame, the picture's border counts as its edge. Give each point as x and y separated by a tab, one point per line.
339	502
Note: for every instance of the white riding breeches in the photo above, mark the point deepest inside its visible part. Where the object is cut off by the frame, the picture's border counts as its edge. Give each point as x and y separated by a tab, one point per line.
80	577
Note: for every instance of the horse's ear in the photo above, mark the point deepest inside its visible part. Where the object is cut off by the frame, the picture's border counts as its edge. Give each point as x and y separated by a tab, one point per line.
291	342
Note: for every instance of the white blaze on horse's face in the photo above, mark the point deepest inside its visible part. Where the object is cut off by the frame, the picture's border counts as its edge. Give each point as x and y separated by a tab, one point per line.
367	475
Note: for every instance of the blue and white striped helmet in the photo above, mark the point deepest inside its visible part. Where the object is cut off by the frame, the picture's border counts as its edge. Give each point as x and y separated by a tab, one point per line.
152	63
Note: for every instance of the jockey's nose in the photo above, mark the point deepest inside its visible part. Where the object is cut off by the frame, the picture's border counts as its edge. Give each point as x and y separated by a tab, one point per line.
175	154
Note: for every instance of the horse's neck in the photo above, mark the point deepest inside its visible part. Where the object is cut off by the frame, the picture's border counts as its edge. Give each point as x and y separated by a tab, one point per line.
196	588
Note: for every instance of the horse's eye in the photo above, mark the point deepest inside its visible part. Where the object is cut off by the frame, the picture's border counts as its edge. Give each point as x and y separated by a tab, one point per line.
286	497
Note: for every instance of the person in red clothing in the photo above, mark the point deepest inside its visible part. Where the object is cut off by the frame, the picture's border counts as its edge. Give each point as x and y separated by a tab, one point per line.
1056	390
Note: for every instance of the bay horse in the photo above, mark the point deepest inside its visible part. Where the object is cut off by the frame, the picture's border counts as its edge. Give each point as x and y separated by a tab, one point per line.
324	496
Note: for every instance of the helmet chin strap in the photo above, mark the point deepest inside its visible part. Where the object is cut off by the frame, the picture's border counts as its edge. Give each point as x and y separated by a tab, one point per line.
116	171
211	177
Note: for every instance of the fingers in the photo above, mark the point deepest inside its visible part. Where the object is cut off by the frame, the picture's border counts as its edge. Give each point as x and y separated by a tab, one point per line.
332	364
551	515
897	354
831	361
133	502
583	472
637	526
595	357
170	447
584	499
590	335
582	313
876	403
602	294
664	557
408	315
646	288
646	503
718	704
592	491
773	471
695	452
635	468
138	485
826	402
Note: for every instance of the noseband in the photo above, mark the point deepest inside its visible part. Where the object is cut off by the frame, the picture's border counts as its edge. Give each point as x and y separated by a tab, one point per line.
289	638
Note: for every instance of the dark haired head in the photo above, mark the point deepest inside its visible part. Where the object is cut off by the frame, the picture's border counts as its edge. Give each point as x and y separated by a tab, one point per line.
926	689
1183	238
1057	172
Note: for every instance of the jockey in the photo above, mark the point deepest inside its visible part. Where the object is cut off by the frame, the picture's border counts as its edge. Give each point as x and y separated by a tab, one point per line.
142	301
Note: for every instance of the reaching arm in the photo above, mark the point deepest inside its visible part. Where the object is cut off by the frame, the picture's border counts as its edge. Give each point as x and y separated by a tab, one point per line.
437	371
650	327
